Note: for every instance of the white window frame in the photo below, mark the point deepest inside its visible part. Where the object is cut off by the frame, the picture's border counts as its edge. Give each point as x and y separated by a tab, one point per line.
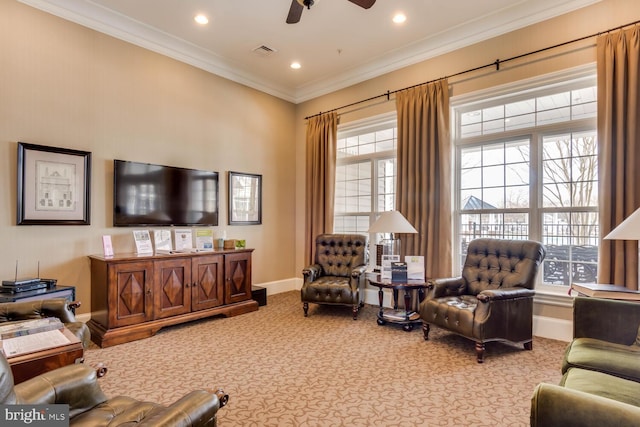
491	96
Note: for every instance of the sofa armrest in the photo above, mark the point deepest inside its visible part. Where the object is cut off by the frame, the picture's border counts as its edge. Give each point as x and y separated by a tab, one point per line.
76	385
505	293
606	319
311	272
358	271
449	286
197	408
553	405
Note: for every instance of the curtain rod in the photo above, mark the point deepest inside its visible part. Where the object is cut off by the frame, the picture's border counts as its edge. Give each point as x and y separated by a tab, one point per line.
496	64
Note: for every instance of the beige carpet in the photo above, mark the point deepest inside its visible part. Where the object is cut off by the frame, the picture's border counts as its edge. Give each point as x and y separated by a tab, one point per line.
282	369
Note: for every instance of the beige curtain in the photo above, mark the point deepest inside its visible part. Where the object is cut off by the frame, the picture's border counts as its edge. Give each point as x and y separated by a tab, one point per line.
618	58
423	191
322	134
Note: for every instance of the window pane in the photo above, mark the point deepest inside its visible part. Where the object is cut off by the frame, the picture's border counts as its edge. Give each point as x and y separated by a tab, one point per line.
494	178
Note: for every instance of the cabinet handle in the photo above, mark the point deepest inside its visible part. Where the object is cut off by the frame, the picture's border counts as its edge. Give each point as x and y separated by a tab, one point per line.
149	291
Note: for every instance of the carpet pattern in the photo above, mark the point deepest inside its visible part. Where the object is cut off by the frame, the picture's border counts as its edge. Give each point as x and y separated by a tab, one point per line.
282	369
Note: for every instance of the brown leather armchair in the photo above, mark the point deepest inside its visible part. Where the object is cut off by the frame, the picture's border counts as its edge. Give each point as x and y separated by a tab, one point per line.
493	299
52	307
337	276
77	386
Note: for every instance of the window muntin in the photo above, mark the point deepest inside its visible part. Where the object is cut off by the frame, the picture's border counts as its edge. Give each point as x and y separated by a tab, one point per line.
526	167
365	174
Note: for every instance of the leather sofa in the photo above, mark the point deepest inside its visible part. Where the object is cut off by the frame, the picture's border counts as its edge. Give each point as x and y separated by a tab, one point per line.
338	273
492	300
77	386
601	369
52	307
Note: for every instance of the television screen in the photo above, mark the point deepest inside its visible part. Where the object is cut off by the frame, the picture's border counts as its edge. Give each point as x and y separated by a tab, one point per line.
146	194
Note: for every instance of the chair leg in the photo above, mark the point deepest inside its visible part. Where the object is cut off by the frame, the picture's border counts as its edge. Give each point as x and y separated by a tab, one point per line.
355	311
425	330
528	345
480	352
305	307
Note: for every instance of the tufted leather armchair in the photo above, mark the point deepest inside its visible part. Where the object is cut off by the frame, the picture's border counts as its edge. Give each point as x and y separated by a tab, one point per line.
77	386
52	307
337	276
493	299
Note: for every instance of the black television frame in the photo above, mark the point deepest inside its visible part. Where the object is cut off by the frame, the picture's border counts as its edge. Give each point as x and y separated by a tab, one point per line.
144	220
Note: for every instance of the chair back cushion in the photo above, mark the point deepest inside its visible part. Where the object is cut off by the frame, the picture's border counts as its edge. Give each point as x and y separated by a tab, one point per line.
496	263
338	254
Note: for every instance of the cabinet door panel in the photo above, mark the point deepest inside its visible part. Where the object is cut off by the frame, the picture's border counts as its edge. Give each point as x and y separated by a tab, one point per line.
208	287
131	299
173	292
238	277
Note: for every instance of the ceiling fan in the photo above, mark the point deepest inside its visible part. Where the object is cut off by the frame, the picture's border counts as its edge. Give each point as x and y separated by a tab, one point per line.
297	6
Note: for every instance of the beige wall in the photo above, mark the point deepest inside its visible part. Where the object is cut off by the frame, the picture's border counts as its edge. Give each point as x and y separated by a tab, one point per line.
602	16
64	85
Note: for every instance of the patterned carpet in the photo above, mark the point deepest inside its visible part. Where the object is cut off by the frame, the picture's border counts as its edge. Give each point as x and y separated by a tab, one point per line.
282	369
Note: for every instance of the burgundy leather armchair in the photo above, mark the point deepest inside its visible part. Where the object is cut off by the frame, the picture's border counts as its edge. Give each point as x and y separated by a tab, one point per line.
493	298
337	276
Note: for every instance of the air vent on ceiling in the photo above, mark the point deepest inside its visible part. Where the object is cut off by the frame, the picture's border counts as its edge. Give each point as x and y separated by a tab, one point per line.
264	50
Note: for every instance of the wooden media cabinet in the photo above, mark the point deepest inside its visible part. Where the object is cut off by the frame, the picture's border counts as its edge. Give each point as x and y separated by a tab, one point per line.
134	296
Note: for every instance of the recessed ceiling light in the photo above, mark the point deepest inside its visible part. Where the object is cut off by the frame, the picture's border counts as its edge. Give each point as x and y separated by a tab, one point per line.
201	19
399	18
296	65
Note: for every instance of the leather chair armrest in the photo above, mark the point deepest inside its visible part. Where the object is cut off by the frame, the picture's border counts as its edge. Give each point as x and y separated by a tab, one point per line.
311	272
76	385
505	293
449	286
197	408
24	310
358	271
621	327
553	405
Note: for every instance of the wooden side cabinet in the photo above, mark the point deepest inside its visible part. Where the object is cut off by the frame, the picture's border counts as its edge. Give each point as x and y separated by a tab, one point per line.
132	297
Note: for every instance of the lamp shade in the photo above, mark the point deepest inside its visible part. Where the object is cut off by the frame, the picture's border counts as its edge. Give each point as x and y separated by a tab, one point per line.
392	222
629	229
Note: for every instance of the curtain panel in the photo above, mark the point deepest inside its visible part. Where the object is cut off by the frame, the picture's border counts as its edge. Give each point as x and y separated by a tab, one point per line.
618	61
321	145
423	188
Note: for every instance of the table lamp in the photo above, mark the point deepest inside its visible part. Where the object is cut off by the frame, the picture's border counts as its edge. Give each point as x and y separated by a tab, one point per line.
629	229
392	222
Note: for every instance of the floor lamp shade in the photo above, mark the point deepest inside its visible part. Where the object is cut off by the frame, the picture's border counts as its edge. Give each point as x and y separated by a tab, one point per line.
629	229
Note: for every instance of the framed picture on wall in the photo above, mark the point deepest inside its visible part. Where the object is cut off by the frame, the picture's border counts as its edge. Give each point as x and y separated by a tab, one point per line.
245	198
53	185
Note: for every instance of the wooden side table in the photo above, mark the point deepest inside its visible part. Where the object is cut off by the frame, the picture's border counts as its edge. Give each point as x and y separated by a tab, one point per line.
407	317
29	365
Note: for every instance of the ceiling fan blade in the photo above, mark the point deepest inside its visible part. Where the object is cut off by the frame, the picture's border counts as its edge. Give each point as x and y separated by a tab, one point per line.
295	12
363	3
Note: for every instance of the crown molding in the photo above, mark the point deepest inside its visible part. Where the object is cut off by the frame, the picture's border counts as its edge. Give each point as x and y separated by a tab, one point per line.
96	17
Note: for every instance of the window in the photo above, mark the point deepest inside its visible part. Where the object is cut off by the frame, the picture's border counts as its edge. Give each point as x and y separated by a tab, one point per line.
365	173
526	168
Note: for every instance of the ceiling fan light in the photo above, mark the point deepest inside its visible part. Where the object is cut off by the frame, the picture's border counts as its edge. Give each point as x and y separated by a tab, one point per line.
306	3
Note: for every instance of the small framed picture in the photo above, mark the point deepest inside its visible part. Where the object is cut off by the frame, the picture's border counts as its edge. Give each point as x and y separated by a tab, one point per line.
53	185
245	198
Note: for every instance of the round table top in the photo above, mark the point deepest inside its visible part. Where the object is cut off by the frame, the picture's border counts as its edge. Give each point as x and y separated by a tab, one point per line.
377	280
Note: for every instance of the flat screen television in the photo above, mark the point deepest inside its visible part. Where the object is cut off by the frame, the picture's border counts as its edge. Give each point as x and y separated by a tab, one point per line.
154	195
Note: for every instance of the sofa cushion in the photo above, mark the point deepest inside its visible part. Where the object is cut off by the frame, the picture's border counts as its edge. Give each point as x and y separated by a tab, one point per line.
603	385
597	355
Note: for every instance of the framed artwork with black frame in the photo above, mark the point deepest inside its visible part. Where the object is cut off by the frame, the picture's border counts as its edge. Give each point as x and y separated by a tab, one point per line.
53	185
245	198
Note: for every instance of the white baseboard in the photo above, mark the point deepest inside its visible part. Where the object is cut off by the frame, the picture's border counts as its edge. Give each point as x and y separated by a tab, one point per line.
555	329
